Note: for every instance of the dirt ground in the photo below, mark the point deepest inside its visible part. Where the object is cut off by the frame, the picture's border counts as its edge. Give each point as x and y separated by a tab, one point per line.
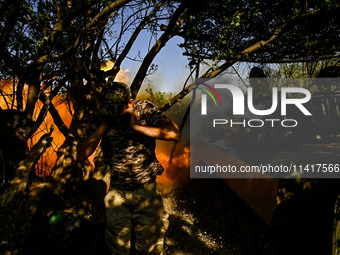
201	222
206	217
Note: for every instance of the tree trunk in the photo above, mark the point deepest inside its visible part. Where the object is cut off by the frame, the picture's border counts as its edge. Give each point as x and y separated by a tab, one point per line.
18	184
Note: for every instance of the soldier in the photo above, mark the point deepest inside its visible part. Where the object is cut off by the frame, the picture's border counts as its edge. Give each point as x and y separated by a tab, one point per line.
258	81
135	215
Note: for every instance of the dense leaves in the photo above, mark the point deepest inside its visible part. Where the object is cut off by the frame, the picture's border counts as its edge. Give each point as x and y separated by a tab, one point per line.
52	53
49	48
306	30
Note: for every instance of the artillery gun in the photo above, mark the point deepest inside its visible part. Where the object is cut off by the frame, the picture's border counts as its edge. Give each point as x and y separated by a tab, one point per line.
300	206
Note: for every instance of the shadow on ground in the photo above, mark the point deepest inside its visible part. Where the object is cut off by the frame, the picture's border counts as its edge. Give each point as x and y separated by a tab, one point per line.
206	217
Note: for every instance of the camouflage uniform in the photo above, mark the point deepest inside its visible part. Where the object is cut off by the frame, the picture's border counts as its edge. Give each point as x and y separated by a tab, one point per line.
133	203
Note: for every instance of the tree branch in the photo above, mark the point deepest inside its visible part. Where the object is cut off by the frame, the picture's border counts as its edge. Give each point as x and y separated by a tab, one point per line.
106	12
32	94
20	88
4	37
175	99
66	19
113	72
174	25
279	32
25	167
11	21
47	101
60	26
60	123
98	43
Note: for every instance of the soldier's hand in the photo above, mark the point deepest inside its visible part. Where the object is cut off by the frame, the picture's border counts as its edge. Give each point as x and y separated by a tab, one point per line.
104	118
133	115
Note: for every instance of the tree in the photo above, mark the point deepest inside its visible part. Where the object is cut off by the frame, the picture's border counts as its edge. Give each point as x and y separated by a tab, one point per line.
227	32
48	48
53	46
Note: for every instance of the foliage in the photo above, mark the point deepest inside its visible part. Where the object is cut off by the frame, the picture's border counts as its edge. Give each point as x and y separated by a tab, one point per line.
301	30
301	70
48	49
314	69
157	97
53	46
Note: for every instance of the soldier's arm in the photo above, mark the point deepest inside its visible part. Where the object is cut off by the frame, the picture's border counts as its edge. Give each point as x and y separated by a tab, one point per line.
166	130
87	146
